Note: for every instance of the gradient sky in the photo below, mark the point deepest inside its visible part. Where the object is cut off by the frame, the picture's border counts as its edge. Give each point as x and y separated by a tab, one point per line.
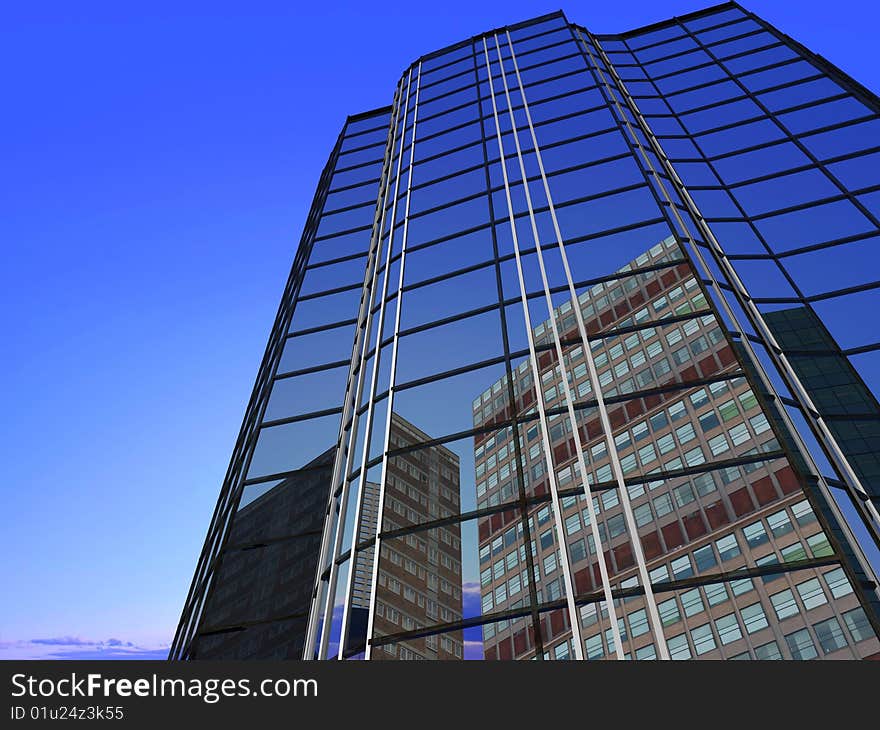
158	164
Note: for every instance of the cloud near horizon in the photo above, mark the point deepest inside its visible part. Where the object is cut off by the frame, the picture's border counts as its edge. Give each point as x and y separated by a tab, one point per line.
74	647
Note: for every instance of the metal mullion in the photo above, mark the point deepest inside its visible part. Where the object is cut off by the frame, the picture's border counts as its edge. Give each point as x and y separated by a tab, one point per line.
707	64
579	239
361	148
768	67
364	331
555	97
344	497
783	211
339	234
543	48
377	547
857	289
620	275
443	206
670	388
441	113
543	63
450	77
441	52
861	350
263	479
651	323
353	206
483	117
524	502
447	237
788	376
574	618
371	399
183	642
668	74
449	275
338	260
467	314
462	517
313	369
451	150
224	512
754	180
569	115
320	328
237	626
803	249
603	418
720	41
576	138
749	51
589	198
450	175
617	229
664	24
706	467
703	107
851	155
718	82
352	186
784	139
300	417
581	166
632	51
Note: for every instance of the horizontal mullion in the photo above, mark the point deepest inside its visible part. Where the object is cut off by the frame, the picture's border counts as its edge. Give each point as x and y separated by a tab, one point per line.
301	417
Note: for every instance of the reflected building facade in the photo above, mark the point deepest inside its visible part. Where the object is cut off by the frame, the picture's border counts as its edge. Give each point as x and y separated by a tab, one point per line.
266	567
578	315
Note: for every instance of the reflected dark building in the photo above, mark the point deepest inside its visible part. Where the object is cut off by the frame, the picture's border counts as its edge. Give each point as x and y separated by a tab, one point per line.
267	567
672	458
838	393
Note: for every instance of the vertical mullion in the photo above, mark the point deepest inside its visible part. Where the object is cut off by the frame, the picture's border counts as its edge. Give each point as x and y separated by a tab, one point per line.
374	378
377	546
574	617
617	469
511	395
344	455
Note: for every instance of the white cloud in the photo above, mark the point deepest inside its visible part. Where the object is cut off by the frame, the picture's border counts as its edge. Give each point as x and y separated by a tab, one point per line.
74	647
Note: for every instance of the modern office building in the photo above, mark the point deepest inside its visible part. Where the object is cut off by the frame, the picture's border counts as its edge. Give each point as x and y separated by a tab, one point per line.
623	285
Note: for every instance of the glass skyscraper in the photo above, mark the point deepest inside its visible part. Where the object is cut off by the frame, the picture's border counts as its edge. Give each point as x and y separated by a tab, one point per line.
577	359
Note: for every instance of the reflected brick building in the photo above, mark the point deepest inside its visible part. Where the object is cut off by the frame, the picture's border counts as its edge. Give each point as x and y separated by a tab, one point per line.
419	579
750	513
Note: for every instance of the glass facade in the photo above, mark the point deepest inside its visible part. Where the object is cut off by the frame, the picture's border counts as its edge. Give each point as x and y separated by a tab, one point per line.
572	364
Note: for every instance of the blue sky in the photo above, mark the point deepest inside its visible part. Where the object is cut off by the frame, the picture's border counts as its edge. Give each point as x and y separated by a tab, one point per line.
159	161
